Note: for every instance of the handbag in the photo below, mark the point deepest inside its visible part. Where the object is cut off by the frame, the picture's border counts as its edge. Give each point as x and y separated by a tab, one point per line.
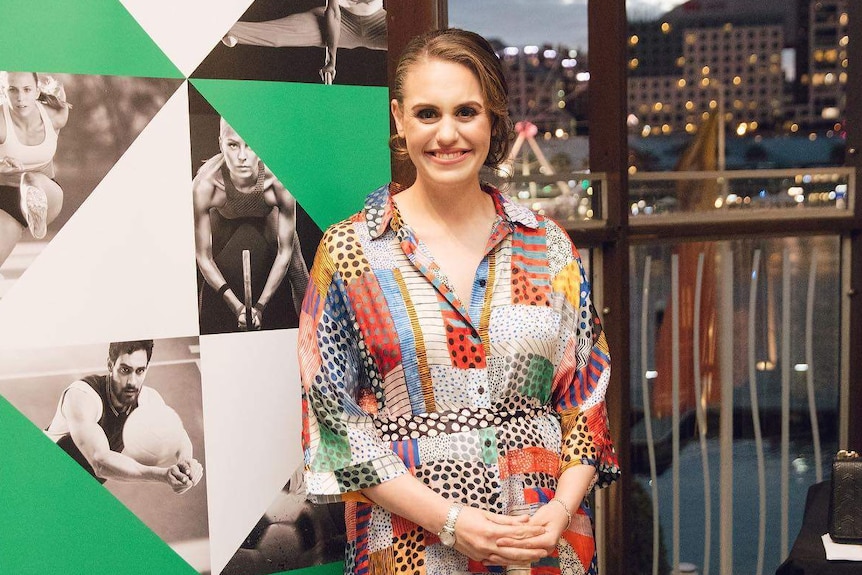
845	501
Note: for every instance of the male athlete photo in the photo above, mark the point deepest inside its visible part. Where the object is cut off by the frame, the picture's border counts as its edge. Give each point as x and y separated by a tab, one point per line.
92	413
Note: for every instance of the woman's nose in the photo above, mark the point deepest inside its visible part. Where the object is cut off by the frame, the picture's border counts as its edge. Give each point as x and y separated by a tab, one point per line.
447	131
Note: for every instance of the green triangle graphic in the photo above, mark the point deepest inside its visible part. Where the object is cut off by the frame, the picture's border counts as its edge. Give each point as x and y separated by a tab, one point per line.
55	518
328	569
79	37
327	144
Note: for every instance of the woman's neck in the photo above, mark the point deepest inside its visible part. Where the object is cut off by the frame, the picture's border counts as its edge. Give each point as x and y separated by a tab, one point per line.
244	185
28	121
450	207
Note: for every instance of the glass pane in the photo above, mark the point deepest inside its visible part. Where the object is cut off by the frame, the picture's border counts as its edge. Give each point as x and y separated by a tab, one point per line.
744	87
733	297
542	45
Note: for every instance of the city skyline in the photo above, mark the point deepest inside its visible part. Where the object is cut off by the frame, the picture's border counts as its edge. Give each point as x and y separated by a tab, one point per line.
525	22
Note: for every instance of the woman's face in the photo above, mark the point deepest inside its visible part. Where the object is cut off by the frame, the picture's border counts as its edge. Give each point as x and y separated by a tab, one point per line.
444	123
22	93
241	160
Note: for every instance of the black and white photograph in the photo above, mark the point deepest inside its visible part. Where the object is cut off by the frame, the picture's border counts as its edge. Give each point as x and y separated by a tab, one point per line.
293	533
253	241
59	135
130	414
311	41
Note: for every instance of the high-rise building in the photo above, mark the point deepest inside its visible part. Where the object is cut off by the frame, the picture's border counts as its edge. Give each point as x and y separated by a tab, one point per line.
819	94
679	73
738	56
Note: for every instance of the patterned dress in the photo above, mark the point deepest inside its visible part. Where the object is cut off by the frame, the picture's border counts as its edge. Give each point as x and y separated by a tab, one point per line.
486	401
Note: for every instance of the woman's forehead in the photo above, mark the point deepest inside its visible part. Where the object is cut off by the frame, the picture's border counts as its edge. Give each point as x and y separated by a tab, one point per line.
435	77
21	79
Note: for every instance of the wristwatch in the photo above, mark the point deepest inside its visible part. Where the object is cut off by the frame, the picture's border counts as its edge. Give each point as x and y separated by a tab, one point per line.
447	534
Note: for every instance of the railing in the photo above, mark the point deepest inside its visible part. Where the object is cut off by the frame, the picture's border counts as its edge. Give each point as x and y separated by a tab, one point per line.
740	194
717	319
577	199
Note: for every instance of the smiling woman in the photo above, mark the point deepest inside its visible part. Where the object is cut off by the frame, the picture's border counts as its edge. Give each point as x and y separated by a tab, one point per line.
444	345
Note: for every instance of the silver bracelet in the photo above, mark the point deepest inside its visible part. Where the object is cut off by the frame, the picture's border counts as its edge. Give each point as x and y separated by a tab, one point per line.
565	509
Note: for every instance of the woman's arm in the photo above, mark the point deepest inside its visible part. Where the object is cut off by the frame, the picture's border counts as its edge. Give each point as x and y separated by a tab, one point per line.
286	222
203	191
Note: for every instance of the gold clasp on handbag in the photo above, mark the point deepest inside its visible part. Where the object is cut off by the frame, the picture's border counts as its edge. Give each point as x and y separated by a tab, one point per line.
844	454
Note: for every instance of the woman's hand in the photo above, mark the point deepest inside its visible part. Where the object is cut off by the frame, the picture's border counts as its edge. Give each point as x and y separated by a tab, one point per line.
9	165
553	520
242	320
478	535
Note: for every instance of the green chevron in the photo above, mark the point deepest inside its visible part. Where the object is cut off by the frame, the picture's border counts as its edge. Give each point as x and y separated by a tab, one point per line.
327	144
56	519
78	37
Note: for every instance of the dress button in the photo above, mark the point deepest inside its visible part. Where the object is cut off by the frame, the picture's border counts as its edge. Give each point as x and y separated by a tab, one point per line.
482	282
487	443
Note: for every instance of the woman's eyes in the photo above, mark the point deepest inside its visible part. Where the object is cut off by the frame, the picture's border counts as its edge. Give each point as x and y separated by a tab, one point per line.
430	113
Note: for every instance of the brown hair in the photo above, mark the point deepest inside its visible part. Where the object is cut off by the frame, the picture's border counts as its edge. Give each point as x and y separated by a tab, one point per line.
476	54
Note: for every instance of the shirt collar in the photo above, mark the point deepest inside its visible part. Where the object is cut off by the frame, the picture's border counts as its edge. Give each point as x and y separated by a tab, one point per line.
381	213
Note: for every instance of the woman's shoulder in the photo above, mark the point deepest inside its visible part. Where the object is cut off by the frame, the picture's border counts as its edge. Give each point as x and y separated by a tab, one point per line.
57	116
374	207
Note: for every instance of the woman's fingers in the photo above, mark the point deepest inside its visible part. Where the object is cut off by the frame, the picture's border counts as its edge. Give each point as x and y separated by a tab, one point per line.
506	519
515	556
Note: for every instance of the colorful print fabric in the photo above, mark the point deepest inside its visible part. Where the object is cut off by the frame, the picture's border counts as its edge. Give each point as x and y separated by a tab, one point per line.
486	400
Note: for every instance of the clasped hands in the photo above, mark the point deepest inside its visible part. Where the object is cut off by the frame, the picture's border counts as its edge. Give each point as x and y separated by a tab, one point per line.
495	539
184	475
242	320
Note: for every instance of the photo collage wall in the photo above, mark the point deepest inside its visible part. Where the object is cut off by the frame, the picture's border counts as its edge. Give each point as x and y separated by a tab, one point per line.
167	170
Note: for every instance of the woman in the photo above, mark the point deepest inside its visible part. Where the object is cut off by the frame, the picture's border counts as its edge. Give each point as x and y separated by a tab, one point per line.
453	366
239	205
32	116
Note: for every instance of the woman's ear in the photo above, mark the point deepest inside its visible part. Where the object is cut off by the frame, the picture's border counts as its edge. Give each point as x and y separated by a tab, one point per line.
398	116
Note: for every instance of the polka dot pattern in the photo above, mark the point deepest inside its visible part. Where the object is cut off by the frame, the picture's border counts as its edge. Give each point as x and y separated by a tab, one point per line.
514	323
474	484
381	526
524	291
349	262
465	347
409	553
356	477
535	378
444	560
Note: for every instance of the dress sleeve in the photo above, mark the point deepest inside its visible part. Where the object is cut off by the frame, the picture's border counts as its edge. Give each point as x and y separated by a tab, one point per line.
582	377
342	448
